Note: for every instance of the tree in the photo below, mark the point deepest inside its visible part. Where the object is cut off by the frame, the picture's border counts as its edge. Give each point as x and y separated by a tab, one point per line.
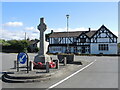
118	45
16	45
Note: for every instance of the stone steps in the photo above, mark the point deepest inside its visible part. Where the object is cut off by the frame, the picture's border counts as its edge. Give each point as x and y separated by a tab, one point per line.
12	78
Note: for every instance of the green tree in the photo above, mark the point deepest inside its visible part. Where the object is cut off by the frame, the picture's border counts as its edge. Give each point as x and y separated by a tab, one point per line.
4	43
2	40
17	45
118	45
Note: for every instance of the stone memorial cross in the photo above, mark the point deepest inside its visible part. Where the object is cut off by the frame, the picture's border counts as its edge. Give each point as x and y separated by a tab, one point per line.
42	56
42	27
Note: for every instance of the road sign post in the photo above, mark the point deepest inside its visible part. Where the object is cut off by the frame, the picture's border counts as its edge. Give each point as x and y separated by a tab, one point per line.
22	58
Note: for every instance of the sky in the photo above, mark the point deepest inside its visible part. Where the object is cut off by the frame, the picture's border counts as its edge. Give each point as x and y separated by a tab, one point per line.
21	17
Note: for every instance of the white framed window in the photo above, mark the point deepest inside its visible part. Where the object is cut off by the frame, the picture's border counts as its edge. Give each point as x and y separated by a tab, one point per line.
103	47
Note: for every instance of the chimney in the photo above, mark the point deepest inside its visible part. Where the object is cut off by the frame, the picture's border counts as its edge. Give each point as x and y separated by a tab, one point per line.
51	31
89	29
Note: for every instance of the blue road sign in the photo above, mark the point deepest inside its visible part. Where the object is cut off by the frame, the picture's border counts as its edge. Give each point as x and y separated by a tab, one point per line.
22	58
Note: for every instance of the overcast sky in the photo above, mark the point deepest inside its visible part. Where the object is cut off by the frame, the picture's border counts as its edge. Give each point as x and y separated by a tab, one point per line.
21	17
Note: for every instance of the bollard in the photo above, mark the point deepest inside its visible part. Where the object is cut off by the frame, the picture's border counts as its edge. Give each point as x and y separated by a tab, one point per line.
57	64
47	67
15	64
65	61
31	66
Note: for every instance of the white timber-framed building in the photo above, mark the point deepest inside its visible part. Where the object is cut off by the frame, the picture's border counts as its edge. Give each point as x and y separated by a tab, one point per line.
101	41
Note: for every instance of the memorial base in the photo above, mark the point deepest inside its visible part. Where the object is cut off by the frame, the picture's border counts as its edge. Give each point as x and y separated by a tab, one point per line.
42	58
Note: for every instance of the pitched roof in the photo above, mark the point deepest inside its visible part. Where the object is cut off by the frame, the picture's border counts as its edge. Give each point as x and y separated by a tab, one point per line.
65	34
71	34
90	33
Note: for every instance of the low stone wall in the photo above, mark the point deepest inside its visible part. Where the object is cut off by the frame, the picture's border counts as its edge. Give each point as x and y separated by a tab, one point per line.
70	58
89	54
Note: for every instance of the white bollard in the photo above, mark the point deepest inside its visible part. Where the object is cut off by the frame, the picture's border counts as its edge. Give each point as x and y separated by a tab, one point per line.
65	61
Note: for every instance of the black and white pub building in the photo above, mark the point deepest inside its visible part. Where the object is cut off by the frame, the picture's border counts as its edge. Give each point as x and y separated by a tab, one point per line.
84	42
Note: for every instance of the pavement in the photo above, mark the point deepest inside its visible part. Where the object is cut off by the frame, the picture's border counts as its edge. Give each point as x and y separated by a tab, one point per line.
37	75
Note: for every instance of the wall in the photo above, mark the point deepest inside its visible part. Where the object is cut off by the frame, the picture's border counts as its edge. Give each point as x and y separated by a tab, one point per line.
112	48
55	49
60	49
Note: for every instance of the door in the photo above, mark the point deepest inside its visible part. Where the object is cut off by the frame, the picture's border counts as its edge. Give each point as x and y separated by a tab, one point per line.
83	49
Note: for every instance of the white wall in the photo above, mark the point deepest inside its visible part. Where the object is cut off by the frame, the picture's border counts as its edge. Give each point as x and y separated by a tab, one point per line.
59	49
102	39
55	49
45	46
112	48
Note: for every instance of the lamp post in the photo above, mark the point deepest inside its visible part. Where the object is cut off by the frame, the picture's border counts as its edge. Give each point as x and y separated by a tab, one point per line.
25	36
67	33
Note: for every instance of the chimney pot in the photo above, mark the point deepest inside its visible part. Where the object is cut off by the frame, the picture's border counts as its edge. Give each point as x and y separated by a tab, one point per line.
51	31
89	29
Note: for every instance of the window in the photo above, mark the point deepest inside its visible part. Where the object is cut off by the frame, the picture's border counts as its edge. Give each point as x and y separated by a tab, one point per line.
55	40
103	47
82	40
57	49
75	39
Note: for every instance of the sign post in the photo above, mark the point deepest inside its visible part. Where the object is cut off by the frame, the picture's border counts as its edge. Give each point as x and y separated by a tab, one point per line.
22	58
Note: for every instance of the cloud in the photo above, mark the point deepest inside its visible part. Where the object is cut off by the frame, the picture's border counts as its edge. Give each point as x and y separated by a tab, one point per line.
18	35
32	29
70	29
29	28
33	33
14	24
8	35
76	29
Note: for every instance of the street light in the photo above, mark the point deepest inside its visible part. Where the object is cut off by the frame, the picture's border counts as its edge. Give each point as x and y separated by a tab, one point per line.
67	33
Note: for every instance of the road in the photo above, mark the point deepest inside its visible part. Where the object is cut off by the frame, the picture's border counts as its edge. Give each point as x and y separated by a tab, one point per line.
103	73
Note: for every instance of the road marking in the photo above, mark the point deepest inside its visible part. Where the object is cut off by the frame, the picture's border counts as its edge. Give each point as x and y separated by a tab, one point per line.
70	76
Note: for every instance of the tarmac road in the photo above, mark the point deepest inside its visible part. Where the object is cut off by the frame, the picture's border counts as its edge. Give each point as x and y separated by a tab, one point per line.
103	73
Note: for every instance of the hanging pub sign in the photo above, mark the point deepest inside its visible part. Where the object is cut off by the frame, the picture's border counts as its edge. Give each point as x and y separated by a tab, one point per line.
22	58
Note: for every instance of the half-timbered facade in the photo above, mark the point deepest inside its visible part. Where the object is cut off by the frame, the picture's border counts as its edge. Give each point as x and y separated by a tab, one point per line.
87	42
